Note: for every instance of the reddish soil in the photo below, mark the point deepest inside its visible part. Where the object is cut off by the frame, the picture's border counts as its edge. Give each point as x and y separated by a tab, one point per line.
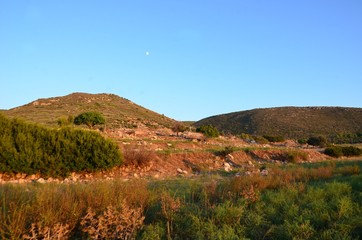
188	154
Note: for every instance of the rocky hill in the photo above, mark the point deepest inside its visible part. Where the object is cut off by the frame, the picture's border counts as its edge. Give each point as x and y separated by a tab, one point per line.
291	122
118	111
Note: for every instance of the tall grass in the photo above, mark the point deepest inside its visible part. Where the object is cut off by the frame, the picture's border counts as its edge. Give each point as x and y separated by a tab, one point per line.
319	202
51	204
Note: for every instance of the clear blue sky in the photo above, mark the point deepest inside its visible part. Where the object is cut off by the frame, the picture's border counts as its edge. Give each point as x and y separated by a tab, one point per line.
185	59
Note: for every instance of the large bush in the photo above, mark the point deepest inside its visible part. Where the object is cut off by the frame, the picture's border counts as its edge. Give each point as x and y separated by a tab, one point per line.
320	141
208	131
30	149
339	151
334	151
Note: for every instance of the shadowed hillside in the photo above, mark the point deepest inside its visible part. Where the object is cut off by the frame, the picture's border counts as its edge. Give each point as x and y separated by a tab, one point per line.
292	122
118	111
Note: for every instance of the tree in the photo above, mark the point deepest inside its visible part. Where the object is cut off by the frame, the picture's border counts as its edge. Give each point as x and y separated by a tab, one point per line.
178	127
208	130
89	118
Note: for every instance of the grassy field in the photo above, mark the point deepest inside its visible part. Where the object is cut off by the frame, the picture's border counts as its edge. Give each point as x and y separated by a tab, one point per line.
296	201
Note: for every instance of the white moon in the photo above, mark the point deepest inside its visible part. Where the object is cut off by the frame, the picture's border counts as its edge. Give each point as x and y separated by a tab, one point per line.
147	53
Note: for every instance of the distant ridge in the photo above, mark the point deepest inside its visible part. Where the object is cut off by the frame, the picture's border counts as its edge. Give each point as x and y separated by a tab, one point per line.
118	111
291	122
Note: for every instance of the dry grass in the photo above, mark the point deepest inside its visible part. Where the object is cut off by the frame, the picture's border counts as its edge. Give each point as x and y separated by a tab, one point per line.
169	207
38	231
113	223
138	156
39	211
249	186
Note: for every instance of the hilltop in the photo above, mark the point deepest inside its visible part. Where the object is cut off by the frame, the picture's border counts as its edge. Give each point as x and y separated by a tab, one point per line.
118	111
290	122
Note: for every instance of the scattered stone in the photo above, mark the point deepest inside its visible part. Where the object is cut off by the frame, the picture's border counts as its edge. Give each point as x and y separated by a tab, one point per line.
18	175
180	171
229	158
32	177
21	180
67	180
264	172
227	167
41	180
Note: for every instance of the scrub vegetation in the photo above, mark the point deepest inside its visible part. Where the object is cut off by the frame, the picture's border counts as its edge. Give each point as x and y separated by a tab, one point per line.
145	176
33	149
300	201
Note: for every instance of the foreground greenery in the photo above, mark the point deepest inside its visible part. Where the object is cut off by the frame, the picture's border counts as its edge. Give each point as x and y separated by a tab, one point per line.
314	201
31	149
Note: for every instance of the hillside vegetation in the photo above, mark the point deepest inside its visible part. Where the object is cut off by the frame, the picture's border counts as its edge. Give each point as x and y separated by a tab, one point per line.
118	111
290	122
31	149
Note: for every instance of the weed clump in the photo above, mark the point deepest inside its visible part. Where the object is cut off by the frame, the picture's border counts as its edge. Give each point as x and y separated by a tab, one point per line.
296	156
138	156
113	223
226	151
38	231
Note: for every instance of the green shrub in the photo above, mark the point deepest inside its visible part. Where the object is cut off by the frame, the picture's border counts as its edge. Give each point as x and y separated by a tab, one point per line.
334	151
245	136
208	131
31	149
320	141
65	121
274	138
351	151
260	140
339	151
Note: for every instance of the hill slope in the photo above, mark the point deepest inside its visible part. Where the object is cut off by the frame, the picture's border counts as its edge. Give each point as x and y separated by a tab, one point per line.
118	111
292	122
